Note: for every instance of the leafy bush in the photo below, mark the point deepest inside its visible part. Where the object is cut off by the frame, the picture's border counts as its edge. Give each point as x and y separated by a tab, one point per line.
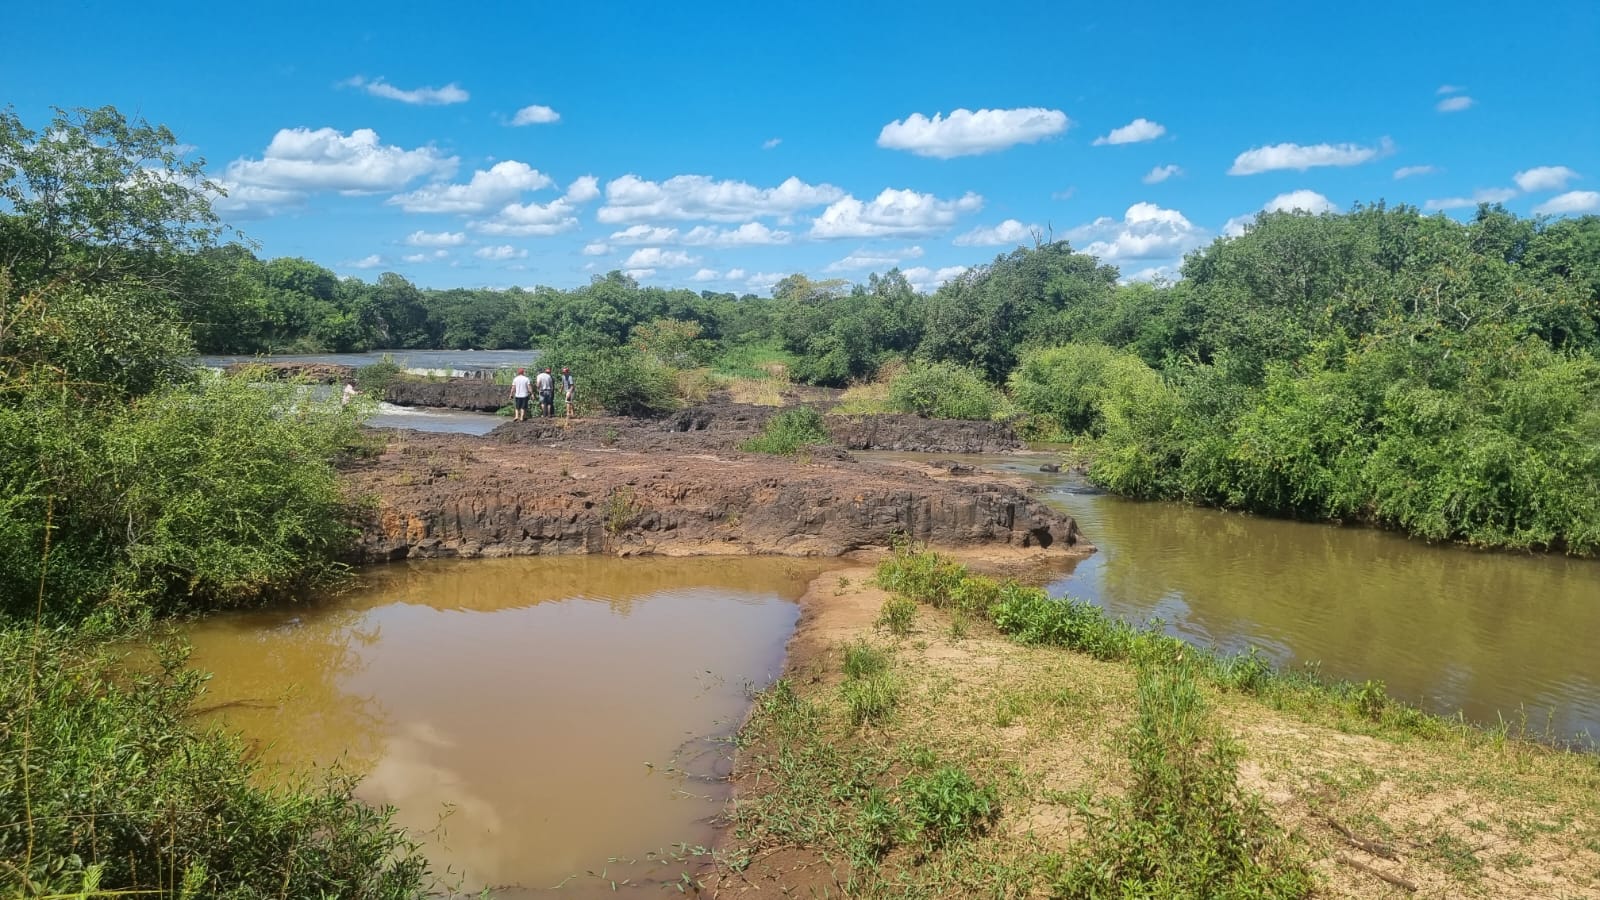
1063	384
123	790
944	391
1032	617
788	431
948	805
193	497
374	379
620	380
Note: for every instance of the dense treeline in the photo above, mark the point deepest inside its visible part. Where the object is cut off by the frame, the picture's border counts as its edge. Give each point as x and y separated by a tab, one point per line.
133	486
1379	365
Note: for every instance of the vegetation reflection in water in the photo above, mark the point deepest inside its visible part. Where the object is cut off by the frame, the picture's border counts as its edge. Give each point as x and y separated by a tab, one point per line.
1489	634
539	717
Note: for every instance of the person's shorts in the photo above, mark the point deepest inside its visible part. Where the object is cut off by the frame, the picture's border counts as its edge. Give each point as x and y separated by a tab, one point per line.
547	396
522	403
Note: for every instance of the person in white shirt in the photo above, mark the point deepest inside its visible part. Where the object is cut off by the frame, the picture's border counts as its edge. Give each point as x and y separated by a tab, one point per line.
547	393
521	389
569	389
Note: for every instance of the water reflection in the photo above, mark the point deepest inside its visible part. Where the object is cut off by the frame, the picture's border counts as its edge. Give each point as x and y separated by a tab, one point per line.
1488	634
535	715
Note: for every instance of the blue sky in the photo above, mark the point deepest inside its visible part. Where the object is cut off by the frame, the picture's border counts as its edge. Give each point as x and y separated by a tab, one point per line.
723	145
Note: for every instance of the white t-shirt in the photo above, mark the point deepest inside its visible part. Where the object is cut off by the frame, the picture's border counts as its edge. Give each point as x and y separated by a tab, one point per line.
546	383
520	386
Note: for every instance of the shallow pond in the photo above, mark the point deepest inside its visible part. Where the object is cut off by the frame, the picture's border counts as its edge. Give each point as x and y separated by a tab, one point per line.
1490	635
545	721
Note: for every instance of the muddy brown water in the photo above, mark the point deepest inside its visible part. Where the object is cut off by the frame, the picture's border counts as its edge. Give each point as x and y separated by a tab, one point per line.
542	722
1490	635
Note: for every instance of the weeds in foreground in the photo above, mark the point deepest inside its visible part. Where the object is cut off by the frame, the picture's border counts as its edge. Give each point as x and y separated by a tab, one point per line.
126	795
870	690
1186	828
897	615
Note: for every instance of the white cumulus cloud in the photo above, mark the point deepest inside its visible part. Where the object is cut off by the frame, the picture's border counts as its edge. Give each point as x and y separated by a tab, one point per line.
631	199
1301	158
706	275
530	219
968	133
301	160
426	257
638	274
1146	231
1413	171
644	234
1161	173
596	248
924	279
366	262
1482	195
1294	201
1544	178
863	259
1138	130
504	182
503	251
749	234
535	115
1455	104
657	258
583	189
891	213
767	144
423	96
736	274
436	239
1011	232
760	280
1572	202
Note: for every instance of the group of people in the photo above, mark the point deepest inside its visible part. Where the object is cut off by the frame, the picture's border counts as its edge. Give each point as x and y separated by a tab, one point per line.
545	383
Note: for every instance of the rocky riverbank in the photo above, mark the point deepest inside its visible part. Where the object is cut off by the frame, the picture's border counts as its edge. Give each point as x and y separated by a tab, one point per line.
513	494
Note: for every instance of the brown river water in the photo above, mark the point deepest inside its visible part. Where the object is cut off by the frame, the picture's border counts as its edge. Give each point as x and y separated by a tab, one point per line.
1489	635
545	721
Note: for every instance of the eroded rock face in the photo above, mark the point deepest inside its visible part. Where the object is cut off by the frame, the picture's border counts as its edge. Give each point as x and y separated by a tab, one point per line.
472	394
454	495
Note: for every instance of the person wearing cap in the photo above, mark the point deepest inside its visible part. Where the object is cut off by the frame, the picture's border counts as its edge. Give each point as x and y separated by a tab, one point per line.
567	389
547	393
521	390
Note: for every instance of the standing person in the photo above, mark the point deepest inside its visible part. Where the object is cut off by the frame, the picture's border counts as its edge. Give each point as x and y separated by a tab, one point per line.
349	393
547	393
521	389
568	389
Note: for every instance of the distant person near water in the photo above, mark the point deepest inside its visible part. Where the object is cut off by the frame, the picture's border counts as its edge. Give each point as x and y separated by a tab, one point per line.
547	393
521	389
349	393
569	389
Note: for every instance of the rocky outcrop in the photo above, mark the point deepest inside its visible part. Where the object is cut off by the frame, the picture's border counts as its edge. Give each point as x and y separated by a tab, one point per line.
454	495
918	435
453	393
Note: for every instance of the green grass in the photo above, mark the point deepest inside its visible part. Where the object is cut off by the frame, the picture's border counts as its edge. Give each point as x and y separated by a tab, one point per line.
789	432
897	615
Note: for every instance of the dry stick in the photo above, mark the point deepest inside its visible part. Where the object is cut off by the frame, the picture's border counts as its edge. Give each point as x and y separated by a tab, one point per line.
1395	880
1373	847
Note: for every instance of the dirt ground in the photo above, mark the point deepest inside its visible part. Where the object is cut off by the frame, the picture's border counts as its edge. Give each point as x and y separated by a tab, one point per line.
1375	814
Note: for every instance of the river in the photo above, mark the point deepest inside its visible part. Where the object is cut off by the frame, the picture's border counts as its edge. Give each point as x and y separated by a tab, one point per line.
1494	636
